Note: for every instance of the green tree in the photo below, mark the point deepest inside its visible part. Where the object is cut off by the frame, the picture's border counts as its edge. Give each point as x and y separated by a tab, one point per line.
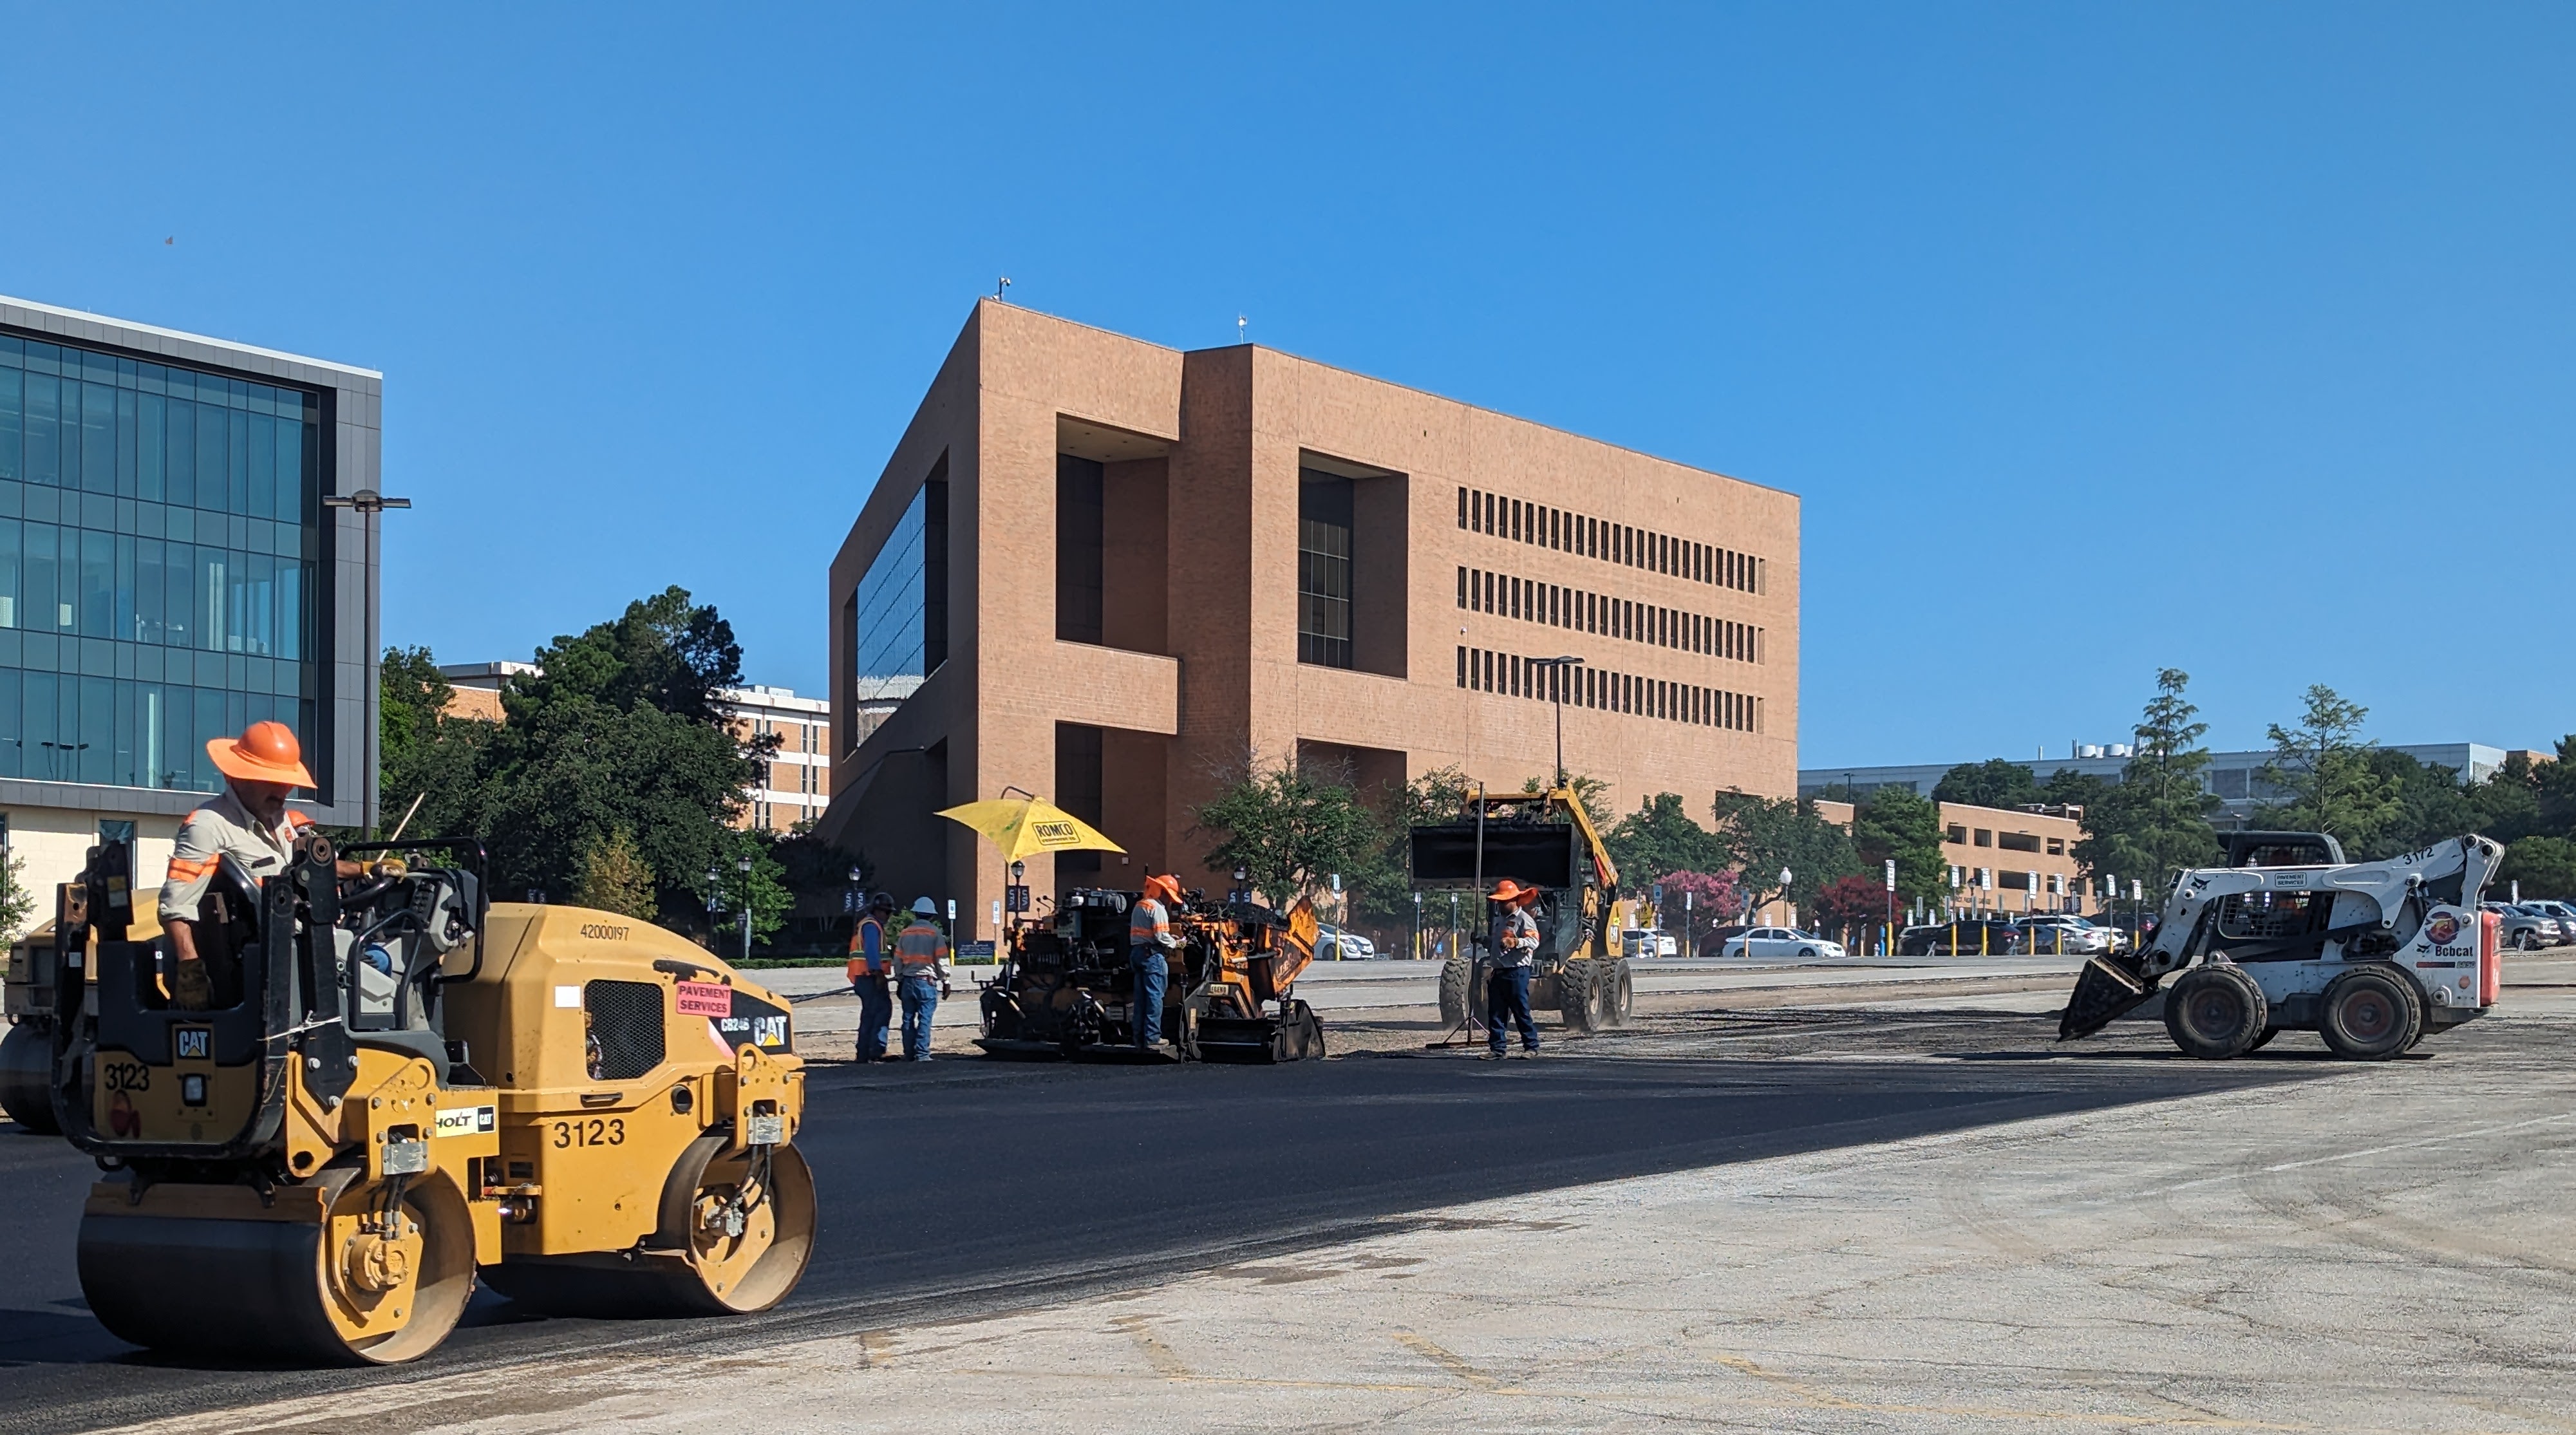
2431	805
1996	782
2542	796
2545	866
1894	823
618	729
1289	830
17	903
425	754
1762	835
615	879
765	886
2326	767
2155	821
1660	837
1382	884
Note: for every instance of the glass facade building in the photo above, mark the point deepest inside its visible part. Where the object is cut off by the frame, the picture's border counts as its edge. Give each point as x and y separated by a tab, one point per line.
898	616
160	564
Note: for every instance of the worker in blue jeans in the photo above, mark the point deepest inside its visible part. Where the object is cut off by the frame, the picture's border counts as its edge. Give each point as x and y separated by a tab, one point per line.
921	969
1507	987
871	966
1149	940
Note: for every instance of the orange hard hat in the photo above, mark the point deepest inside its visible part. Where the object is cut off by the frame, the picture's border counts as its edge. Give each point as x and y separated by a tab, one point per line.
1168	888
265	752
1510	891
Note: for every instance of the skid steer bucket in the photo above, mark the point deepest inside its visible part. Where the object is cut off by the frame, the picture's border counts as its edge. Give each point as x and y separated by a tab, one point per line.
2109	988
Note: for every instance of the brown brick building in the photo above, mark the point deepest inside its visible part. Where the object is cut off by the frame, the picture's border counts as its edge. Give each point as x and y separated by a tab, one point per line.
1105	571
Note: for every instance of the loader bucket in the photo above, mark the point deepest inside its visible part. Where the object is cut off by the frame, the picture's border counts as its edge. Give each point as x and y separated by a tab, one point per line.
2109	987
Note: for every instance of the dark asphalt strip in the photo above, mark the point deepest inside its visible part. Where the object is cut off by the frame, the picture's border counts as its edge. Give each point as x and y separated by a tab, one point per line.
963	1189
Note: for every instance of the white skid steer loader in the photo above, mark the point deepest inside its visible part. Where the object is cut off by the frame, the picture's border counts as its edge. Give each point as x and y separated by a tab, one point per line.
2373	956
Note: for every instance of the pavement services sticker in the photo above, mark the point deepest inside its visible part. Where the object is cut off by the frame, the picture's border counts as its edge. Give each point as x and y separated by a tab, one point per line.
705	999
469	1121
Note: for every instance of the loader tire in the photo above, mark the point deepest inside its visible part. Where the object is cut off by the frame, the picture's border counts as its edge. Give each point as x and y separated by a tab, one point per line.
1457	978
2370	1014
2215	1012
2265	1039
1578	998
1616	996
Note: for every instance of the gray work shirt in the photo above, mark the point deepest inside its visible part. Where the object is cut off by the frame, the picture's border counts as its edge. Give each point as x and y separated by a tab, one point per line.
223	828
1516	944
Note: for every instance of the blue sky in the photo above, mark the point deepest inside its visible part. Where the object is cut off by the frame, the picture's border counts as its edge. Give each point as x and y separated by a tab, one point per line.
2095	338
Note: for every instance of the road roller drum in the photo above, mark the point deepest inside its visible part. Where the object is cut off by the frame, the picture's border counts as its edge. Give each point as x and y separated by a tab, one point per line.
398	1089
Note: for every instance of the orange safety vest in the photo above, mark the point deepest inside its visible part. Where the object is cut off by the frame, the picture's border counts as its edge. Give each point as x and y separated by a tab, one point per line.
867	950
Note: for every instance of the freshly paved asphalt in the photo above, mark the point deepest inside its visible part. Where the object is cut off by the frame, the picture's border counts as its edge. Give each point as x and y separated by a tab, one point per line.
967	1186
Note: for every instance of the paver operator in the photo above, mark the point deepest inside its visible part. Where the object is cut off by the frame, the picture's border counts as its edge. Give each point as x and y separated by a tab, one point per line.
248	822
921	970
1149	938
871	964
1507	987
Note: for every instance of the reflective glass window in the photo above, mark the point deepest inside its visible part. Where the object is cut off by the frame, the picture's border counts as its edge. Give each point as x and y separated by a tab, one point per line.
144	506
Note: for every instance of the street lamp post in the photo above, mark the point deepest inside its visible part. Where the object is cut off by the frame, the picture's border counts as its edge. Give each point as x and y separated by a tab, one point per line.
715	903
367	503
1556	692
1784	899
742	865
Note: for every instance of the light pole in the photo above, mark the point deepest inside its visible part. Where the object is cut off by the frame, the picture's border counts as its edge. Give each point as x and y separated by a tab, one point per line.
1417	926
1785	919
1556	692
367	503
715	902
742	865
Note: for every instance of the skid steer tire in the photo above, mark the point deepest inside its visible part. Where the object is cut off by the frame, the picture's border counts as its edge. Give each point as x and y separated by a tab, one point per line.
2370	1014
1457	977
2265	1039
2215	1012
1617	996
1577	999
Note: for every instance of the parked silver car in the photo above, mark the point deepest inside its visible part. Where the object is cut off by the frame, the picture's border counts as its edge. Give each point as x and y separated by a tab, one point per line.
2564	912
2063	933
2522	930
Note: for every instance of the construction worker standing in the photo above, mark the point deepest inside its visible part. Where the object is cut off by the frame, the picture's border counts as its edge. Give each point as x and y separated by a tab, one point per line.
1507	988
921	969
871	964
1149	937
248	824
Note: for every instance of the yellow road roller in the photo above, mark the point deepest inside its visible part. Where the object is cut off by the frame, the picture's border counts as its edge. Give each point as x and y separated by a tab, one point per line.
396	1089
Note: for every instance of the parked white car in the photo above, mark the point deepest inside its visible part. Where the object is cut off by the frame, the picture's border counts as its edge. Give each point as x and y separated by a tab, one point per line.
1641	942
2062	933
1782	942
1333	944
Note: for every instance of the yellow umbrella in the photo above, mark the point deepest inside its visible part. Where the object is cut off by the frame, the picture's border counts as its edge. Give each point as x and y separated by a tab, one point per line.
1021	826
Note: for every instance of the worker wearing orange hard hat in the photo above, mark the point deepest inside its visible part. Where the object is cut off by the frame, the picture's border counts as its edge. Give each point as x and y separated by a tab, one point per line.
1507	986
1149	940
248	826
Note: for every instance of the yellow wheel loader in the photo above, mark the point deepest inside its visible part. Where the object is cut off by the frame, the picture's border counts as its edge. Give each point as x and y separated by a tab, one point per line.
1543	840
397	1088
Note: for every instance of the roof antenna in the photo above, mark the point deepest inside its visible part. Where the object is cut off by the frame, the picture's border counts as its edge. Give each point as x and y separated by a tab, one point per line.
1239	322
1002	290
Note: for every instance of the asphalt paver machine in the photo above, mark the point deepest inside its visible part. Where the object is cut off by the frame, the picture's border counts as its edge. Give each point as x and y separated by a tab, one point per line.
1065	989
2372	956
397	1088
1543	840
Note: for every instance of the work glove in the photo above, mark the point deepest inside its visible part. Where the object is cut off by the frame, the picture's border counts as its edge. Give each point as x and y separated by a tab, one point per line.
190	988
